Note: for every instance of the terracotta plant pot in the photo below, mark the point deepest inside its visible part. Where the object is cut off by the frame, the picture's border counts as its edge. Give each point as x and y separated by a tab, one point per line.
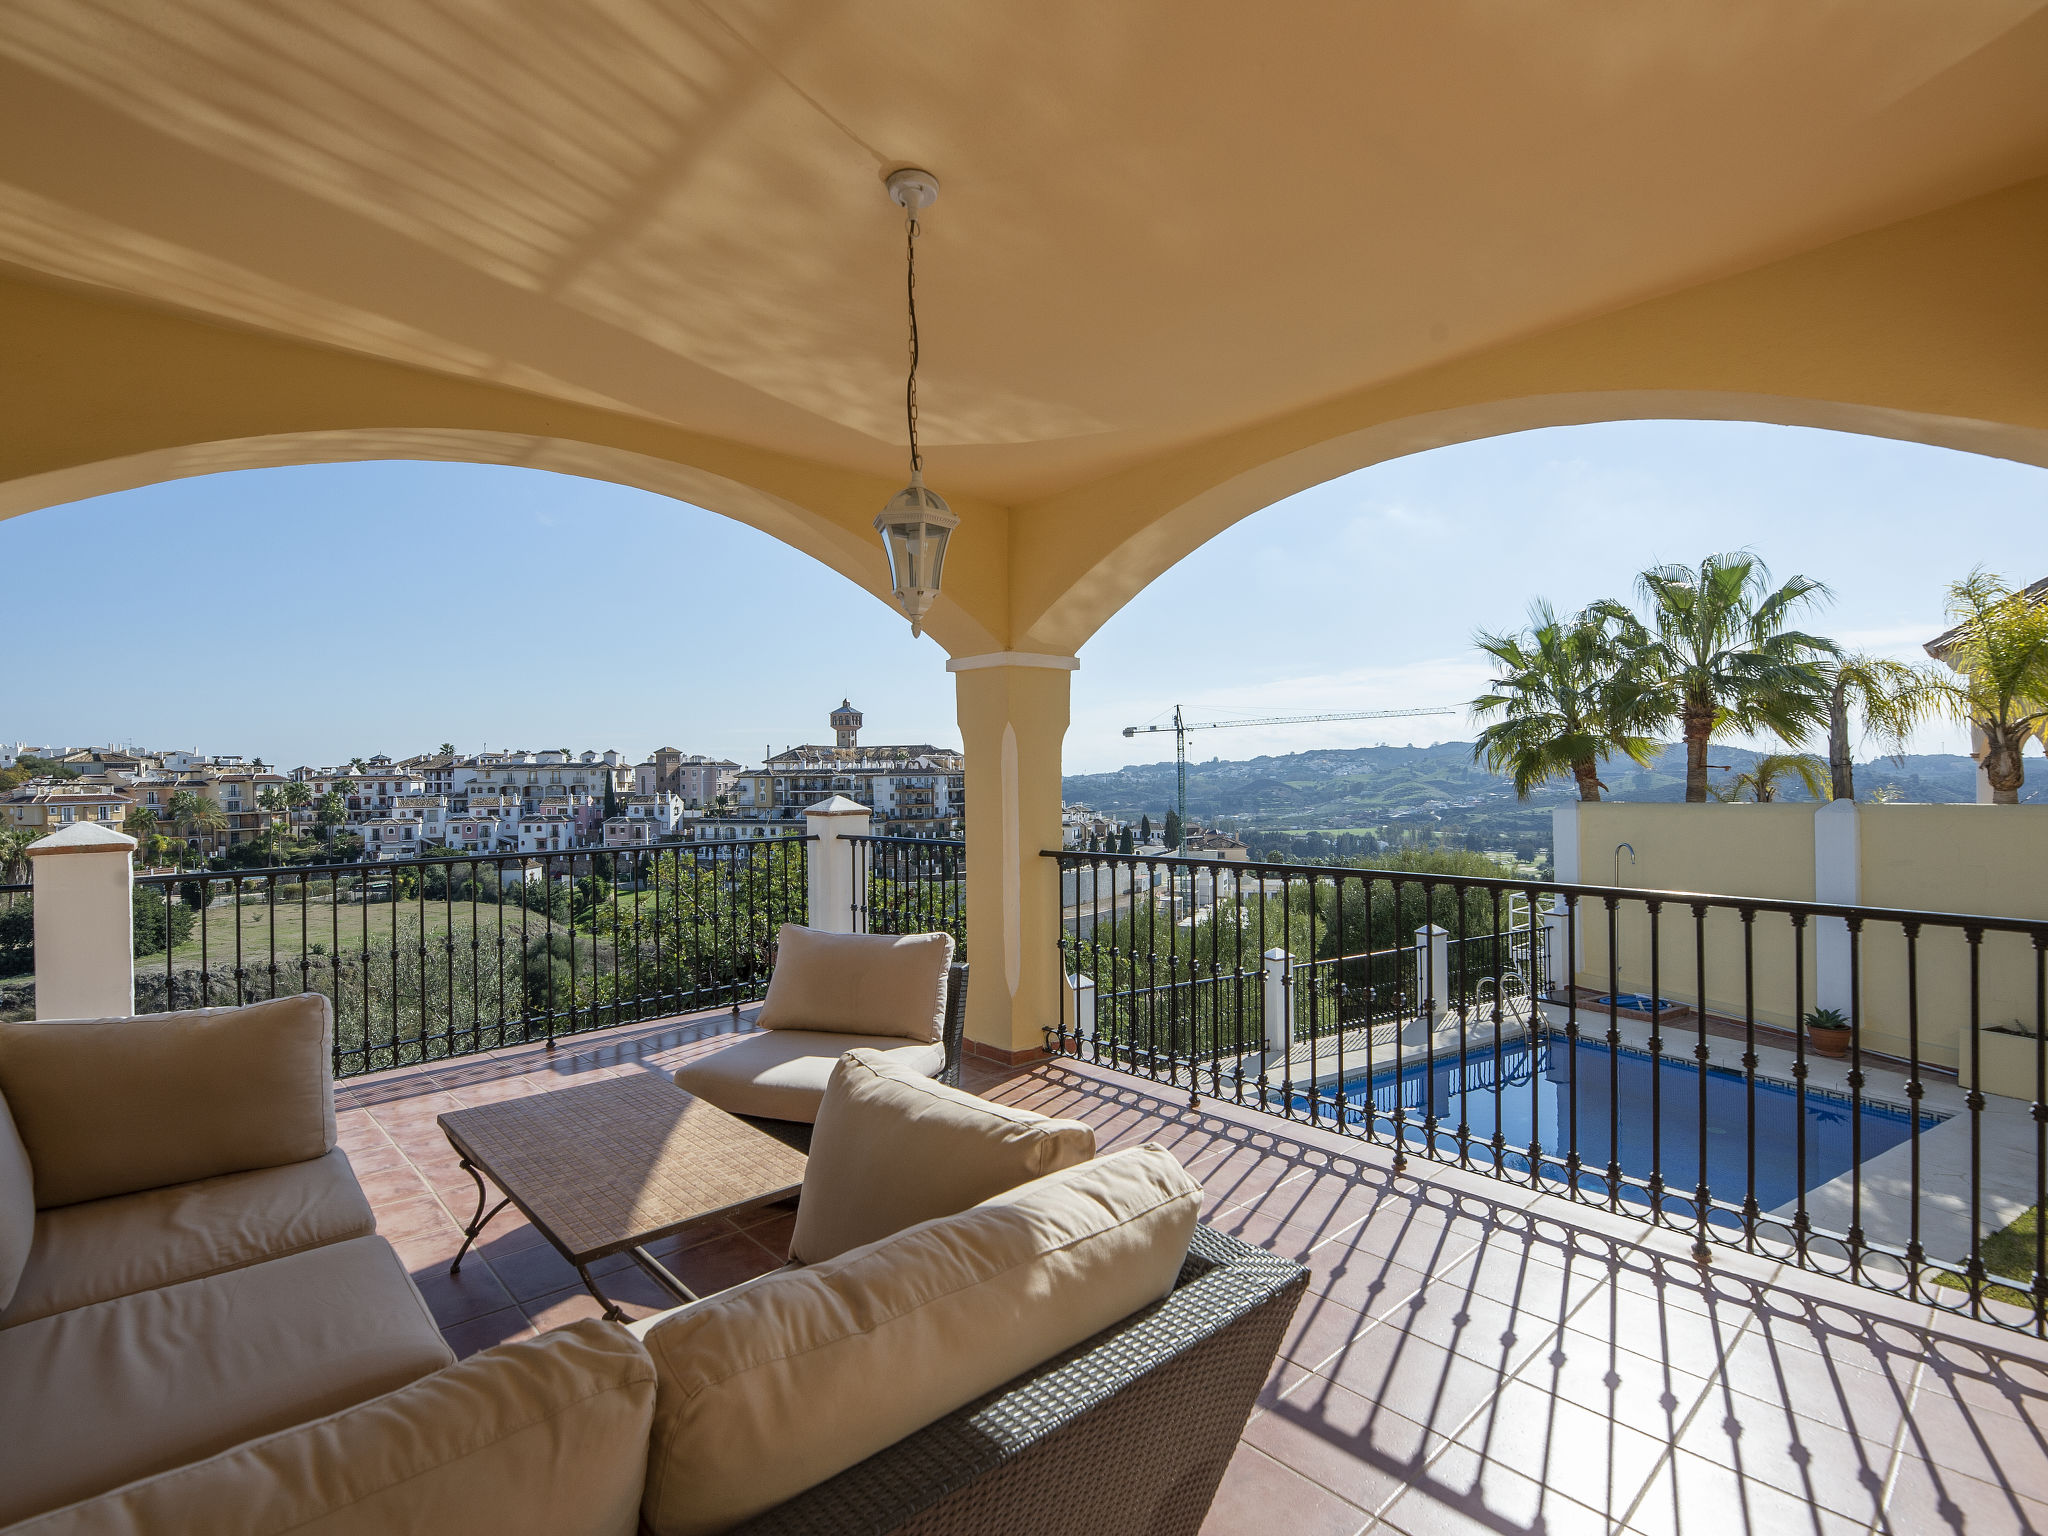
1828	1042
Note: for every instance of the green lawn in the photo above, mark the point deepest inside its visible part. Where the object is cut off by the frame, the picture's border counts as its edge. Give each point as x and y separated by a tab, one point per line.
2009	1252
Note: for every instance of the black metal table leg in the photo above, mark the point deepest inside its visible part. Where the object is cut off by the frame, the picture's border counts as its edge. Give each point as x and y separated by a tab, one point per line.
480	1220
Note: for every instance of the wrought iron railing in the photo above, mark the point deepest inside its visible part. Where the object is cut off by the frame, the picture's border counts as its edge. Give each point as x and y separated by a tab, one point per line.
1670	1055
431	958
17	943
910	885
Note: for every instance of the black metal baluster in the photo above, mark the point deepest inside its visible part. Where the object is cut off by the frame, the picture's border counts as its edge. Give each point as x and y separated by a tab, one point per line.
1974	1102
1703	1192
1855	1234
2040	1112
1572	1161
1916	1256
1751	1210
1801	1224
1655	910
1614	1053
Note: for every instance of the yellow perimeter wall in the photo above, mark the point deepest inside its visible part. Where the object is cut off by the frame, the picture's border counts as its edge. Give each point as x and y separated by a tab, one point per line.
1983	859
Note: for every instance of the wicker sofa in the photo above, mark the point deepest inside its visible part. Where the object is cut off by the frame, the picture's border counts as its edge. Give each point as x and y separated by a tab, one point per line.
234	1353
1128	1434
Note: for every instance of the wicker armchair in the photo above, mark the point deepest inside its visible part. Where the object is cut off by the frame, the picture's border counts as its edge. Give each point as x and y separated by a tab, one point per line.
1127	1434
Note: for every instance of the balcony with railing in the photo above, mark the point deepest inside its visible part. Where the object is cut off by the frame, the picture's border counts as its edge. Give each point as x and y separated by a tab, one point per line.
1580	1258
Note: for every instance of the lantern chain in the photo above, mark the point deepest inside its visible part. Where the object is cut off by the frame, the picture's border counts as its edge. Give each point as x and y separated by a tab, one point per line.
910	233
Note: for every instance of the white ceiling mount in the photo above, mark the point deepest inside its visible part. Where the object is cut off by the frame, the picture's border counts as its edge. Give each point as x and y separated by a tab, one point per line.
912	189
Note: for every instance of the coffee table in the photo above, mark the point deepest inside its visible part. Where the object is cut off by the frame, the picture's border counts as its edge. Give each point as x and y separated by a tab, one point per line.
611	1166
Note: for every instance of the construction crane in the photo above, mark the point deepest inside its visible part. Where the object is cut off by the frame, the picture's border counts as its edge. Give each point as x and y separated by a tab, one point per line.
1180	729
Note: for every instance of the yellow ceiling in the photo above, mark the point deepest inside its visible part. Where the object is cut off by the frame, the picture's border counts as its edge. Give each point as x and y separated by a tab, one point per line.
1160	221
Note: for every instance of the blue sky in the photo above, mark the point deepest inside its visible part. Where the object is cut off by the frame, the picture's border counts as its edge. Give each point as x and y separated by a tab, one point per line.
309	615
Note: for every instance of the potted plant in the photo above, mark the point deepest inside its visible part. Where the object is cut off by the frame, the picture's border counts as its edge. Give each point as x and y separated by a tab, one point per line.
1827	1031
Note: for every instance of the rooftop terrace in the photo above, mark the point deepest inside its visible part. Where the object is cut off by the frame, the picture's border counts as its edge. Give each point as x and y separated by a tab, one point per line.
1470	1357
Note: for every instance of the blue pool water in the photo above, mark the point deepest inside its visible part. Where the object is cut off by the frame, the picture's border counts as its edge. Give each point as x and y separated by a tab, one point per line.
1536	1100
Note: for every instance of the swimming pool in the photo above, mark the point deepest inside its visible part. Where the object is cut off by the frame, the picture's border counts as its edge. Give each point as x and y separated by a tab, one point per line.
1539	1095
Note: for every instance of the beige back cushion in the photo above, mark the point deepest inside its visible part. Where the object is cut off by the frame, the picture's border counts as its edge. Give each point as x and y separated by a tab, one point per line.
859	983
548	1434
17	1206
111	1106
892	1149
770	1389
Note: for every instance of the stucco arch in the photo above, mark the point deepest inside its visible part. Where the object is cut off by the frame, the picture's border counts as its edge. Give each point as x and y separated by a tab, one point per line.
1146	554
129	397
1931	331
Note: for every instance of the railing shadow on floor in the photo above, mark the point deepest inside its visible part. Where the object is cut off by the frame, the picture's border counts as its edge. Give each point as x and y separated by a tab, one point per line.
1441	1317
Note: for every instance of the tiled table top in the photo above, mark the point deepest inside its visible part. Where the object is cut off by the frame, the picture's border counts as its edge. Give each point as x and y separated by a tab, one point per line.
1469	1357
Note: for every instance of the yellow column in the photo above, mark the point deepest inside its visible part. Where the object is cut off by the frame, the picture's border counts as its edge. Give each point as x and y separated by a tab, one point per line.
1013	719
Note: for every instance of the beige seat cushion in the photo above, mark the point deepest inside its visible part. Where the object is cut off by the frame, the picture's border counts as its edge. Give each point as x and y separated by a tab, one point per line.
859	983
547	1436
17	1206
782	1073
110	1106
102	1395
128	1243
893	1148
767	1390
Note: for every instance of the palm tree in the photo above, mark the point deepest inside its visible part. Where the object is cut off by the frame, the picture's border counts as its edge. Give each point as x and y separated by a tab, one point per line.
193	814
1567	697
14	843
1892	698
1999	651
1762	781
139	823
1721	657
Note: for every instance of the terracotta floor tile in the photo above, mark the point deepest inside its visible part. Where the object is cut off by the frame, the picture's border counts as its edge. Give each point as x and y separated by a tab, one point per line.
424	1217
502	1327
1935	1500
1991	1447
374	1157
1420	1380
720	1262
1693	1497
394	1186
1585	1456
1463	1491
1805	1458
471	1292
1425	1376
1633	1389
532	1272
570	1305
1356	1446
1817	1387
1259	1495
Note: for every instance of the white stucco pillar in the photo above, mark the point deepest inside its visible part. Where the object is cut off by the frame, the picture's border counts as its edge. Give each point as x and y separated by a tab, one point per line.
1080	1021
1433	970
1837	879
833	863
1986	795
85	923
1565	827
1276	993
1557	971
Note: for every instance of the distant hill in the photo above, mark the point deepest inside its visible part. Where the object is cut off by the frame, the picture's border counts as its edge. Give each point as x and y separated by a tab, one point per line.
1435	793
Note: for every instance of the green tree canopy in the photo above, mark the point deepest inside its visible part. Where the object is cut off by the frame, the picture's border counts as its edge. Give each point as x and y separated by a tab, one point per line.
1719	655
2000	656
1569	694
